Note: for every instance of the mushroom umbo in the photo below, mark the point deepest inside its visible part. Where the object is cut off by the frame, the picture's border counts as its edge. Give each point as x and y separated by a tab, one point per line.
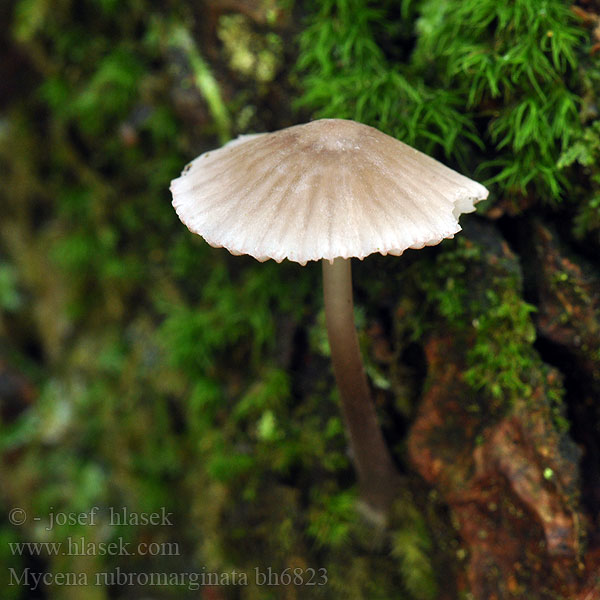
328	190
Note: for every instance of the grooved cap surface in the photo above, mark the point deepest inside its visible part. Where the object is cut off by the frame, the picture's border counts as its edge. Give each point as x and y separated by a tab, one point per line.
330	188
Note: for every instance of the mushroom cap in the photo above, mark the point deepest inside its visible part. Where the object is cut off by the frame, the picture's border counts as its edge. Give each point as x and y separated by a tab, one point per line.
326	189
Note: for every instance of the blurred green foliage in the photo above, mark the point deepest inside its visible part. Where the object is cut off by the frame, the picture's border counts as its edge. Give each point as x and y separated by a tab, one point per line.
166	370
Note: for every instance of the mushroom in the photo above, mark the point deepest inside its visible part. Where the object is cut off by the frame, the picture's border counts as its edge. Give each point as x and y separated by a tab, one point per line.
328	190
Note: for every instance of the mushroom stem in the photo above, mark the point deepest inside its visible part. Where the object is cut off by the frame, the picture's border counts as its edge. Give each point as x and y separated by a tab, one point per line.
377	474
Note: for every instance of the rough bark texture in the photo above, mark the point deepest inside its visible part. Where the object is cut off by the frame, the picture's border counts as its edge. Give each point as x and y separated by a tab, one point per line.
525	511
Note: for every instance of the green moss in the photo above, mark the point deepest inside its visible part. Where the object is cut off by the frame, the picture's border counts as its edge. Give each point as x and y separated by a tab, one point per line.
480	300
502	358
513	64
345	74
482	72
412	545
585	151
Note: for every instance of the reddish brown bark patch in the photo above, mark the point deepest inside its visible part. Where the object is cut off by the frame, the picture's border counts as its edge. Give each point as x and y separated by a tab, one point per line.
511	485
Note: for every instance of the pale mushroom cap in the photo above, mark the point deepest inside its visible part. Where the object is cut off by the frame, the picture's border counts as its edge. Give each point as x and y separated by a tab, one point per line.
330	188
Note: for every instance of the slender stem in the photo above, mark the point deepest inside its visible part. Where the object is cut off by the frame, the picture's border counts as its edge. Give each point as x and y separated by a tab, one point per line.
377	474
